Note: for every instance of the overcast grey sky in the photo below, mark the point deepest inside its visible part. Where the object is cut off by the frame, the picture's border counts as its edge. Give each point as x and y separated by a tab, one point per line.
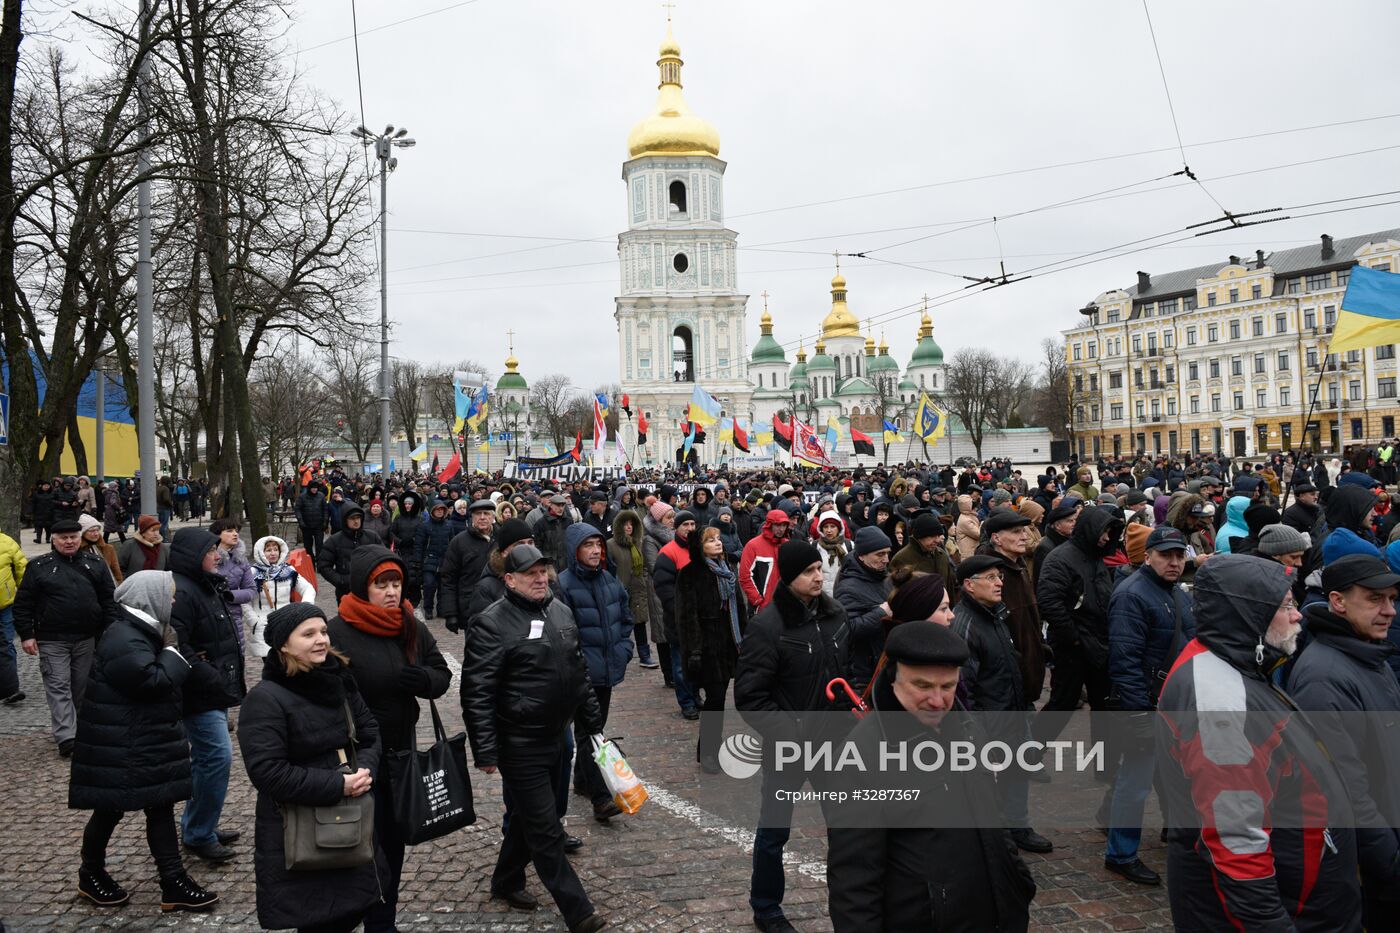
521	109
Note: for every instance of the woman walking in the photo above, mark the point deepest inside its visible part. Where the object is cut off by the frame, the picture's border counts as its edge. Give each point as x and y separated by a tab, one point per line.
277	584
710	618
658	527
628	564
130	752
394	661
294	728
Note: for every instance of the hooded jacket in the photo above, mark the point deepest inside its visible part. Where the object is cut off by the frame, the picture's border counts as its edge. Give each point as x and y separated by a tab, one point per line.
1338	679
758	566
1234	526
430	542
238	574
707	642
862	591
1241	854
208	638
601	611
311	507
728	533
131	751
333	558
275	585
403	530
655	536
1075	586
460	571
620	563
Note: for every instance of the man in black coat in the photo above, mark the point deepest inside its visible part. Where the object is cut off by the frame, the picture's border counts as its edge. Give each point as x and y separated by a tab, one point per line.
1059	525
209	641
863	588
792	648
1342	675
62	605
462	565
311	516
994	682
334	559
942	862
1073	593
525	679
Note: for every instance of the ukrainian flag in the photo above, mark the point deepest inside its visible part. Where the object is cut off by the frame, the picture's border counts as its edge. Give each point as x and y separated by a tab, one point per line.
704	407
930	422
1370	315
726	430
892	433
833	433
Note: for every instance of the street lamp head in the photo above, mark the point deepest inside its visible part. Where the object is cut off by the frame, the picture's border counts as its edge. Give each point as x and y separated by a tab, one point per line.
405	143
389	130
1089	309
360	132
402	132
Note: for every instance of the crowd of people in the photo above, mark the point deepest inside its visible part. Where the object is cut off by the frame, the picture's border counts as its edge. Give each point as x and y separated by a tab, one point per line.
1151	587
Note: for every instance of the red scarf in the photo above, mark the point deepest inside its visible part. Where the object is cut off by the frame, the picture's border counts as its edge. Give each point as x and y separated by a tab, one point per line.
150	554
385	623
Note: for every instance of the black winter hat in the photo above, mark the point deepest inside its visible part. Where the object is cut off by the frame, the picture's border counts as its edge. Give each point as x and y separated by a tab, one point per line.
795	557
917	598
927	525
281	623
512	530
871	539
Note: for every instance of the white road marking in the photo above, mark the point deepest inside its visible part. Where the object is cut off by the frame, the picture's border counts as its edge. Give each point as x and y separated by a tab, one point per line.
702	819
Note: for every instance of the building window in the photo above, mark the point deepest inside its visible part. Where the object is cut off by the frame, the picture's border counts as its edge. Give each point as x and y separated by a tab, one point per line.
1137	343
1285	396
1215	369
1167	306
1385	351
1137	378
1140	409
1093	382
1156	409
1234	295
1167	339
1259	327
1282	361
1210	299
1189	303
1195	405
1147	309
677	197
1193	372
1093	349
1256	291
1312	358
1190	336
1388	425
1280	323
1078	382
1382	267
1295	286
1261	398
1113	315
1234	330
1353	356
1236	366
1385	388
1319	281
1215	401
1115	411
1079	413
1356	434
1171	406
1115	380
1260	363
1329	317
1152	343
680	263
1094	412
1238	401
1170	376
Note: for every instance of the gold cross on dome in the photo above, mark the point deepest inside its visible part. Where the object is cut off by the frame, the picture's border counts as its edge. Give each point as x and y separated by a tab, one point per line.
668	8
837	254
925	301
510	339
765	299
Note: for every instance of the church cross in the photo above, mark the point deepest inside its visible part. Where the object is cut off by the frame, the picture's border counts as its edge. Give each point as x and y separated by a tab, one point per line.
837	254
510	338
765	299
668	7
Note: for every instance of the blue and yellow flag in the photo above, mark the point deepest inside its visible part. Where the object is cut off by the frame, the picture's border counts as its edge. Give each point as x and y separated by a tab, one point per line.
704	407
892	434
476	412
833	434
602	403
930	422
726	430
1370	315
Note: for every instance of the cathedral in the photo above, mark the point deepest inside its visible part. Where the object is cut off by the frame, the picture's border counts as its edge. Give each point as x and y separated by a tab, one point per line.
681	316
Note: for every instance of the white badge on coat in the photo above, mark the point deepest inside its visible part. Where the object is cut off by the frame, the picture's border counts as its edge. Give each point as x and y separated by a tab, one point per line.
536	629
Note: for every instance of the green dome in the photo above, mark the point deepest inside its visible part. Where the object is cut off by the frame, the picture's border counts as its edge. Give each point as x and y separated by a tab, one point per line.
855	386
821	362
926	353
511	381
884	363
908	384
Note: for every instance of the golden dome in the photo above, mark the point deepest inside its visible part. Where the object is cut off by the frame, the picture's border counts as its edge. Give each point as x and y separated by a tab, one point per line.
801	354
884	345
840	322
869	344
765	323
512	364
672	129
821	347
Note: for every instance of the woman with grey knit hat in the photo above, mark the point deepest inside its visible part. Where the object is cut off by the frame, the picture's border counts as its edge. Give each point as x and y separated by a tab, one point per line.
131	752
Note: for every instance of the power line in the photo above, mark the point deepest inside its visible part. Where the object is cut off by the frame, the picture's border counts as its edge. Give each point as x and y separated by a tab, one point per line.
398	22
360	87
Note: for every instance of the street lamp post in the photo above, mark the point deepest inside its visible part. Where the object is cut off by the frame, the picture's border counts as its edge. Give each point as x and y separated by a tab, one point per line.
383	143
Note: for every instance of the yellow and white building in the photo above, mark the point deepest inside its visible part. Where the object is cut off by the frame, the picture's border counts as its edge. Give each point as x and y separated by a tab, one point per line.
1222	357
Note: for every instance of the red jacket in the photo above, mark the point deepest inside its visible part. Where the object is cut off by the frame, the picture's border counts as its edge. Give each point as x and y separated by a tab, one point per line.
758	568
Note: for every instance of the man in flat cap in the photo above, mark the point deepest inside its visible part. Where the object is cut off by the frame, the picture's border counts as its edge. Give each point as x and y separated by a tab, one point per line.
900	865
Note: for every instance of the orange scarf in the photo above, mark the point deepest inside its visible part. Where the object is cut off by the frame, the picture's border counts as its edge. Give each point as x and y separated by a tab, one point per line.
376	620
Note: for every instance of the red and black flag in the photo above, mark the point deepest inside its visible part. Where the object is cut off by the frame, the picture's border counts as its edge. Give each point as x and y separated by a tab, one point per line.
577	452
642	423
741	437
434	470
861	443
782	433
695	430
627	405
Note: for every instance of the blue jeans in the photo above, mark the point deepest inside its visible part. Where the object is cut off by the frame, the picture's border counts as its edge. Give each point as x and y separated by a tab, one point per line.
9	667
684	695
430	588
1130	790
211	756
164	516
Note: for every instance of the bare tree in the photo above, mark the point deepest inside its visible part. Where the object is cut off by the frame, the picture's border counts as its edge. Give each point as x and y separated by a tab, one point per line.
549	397
409	385
1055	397
292	410
985	391
352	374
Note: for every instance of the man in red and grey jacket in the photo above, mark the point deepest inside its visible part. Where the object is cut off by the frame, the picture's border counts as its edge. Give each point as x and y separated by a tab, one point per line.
758	566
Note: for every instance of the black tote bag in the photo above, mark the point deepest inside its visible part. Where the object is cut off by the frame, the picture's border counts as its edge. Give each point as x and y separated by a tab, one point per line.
432	788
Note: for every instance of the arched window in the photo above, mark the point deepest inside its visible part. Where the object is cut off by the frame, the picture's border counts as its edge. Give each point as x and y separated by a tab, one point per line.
681	355
678	197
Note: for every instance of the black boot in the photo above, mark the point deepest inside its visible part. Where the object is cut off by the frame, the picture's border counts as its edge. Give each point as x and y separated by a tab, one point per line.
184	893
97	886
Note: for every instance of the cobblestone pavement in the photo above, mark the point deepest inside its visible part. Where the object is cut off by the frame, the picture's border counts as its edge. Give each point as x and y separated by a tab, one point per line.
676	865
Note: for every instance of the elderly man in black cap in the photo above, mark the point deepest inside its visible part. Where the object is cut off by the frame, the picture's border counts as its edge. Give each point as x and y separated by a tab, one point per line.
63	603
1008	537
1342	674
791	650
524	682
1059	525
599	515
462	564
994	682
942	861
1150	619
863	590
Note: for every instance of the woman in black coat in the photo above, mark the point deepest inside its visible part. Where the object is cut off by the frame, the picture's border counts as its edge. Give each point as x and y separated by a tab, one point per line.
710	618
41	507
394	661
291	730
130	752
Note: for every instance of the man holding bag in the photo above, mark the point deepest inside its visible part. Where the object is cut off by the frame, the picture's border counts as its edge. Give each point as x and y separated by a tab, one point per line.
525	680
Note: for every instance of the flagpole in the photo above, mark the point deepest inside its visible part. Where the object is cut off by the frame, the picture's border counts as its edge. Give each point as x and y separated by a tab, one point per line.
1307	418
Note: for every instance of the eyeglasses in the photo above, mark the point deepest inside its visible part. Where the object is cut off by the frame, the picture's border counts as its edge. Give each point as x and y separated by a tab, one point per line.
988	576
1289	605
